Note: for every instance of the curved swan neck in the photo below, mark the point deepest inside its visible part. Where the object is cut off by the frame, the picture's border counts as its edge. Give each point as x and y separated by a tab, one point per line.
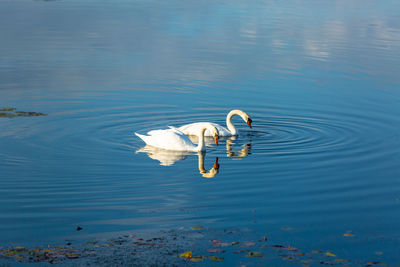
229	123
201	146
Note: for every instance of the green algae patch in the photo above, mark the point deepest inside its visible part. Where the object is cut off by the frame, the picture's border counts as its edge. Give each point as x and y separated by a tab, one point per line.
13	112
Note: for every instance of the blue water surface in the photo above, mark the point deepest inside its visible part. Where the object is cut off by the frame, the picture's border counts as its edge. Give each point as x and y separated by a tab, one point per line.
320	80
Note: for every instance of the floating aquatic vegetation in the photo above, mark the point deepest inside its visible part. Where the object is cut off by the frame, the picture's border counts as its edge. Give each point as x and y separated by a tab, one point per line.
13	112
215	250
179	247
348	234
372	263
197	258
186	255
330	254
316	251
254	254
289	248
248	244
214	258
49	254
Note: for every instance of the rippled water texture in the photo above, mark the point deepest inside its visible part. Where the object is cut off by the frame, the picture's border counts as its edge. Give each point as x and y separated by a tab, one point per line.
319	79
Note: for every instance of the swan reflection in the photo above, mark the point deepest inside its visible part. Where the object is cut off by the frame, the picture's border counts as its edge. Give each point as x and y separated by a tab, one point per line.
212	172
241	152
238	153
169	157
165	157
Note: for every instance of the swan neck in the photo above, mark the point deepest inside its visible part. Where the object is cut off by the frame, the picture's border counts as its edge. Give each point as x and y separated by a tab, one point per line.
201	146
229	123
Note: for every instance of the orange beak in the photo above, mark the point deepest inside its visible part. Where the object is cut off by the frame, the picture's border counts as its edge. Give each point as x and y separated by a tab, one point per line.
216	139
216	165
249	121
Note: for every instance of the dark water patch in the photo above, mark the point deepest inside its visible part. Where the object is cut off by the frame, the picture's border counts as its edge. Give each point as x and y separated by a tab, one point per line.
13	112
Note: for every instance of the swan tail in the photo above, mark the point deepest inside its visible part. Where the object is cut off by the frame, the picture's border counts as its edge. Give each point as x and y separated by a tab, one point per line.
141	136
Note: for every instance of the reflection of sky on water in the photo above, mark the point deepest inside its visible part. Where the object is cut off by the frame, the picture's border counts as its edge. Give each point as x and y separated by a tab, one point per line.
192	41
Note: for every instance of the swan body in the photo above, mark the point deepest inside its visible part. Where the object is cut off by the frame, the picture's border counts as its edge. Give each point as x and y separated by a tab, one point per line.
193	128
174	139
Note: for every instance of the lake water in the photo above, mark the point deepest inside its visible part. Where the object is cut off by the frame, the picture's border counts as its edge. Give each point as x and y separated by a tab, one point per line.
319	79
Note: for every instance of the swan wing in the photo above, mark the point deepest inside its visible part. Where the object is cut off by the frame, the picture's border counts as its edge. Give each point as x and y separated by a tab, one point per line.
171	139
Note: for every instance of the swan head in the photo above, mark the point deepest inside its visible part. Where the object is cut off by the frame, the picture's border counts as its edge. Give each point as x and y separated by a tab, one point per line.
246	118
216	135
213	129
249	121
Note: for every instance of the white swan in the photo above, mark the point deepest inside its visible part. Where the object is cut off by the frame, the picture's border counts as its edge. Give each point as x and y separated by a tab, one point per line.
193	128
174	139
